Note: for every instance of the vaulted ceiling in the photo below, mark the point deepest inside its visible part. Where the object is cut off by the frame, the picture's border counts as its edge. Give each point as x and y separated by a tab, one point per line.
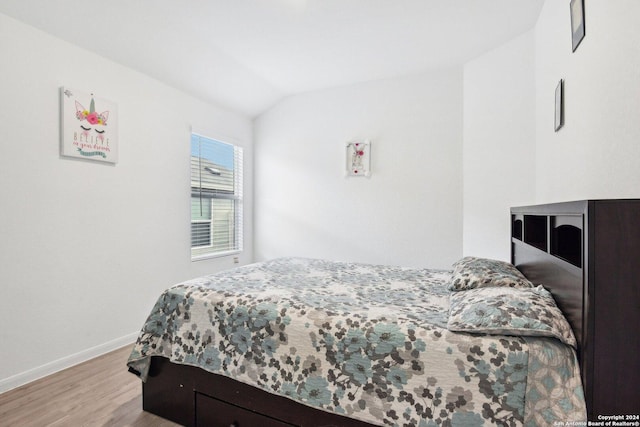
246	55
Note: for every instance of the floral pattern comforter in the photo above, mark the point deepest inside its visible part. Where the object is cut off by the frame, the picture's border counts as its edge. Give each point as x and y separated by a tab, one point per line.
366	341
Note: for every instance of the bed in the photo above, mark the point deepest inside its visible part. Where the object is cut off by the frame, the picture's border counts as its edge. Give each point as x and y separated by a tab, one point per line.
309	342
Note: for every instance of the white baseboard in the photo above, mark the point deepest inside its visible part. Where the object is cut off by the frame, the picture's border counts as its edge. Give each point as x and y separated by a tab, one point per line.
64	363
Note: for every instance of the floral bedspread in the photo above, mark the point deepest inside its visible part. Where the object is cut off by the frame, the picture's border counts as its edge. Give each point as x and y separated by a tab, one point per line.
366	341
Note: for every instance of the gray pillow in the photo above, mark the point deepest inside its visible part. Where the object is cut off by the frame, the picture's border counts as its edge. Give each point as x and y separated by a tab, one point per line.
509	311
473	272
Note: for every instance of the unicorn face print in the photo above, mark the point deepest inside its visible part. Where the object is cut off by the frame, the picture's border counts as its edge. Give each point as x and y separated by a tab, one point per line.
88	133
95	126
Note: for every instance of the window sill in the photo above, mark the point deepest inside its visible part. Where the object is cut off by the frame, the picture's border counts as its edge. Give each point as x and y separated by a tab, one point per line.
215	255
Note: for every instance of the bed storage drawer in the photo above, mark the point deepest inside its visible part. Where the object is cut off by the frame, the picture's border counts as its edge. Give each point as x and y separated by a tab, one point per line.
211	412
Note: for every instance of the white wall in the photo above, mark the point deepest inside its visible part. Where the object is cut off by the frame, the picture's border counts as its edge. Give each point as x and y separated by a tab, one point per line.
597	152
513	156
499	144
86	248
408	212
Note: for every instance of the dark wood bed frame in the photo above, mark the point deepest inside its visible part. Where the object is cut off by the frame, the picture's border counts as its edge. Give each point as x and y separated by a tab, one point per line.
586	253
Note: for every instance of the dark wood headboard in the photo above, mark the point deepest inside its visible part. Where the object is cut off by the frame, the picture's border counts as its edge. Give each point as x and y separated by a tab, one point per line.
587	254
532	251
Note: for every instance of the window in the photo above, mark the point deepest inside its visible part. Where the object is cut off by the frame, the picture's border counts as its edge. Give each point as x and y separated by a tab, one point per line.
216	198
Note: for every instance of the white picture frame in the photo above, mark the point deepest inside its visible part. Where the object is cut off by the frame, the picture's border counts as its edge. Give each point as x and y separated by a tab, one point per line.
358	158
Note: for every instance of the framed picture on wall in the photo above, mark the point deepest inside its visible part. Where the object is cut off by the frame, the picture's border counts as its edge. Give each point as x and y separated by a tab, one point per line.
577	23
559	110
358	155
89	126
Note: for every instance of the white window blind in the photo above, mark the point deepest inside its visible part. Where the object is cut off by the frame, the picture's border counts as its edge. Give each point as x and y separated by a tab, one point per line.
216	197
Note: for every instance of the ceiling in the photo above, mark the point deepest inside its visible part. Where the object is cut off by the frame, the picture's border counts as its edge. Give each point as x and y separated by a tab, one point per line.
246	55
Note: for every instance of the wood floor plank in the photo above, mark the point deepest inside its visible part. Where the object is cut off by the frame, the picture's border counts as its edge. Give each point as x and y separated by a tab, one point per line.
97	393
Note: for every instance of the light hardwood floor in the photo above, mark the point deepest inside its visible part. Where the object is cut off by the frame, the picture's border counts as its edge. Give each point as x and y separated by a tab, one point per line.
99	392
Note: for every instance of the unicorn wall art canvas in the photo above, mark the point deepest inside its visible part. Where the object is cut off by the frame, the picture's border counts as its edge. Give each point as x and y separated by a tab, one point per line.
89	126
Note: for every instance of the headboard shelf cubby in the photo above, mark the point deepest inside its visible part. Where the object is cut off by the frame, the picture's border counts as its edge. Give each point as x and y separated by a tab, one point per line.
516	226
566	238
587	254
536	231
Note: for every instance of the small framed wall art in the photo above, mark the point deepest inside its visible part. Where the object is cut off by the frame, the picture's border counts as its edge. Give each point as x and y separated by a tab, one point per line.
559	106
88	126
577	23
358	156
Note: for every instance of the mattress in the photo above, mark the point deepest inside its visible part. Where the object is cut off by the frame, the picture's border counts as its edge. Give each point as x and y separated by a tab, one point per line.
371	342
